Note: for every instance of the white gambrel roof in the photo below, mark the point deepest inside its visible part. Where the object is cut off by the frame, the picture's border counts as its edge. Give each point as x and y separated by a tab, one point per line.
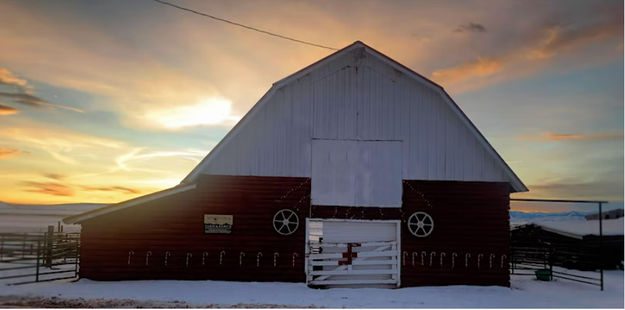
459	151
274	138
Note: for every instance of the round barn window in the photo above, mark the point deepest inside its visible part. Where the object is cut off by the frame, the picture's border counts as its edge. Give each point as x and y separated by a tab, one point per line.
420	224
285	222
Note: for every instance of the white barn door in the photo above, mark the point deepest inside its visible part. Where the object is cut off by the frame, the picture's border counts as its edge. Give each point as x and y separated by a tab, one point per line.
352	253
356	173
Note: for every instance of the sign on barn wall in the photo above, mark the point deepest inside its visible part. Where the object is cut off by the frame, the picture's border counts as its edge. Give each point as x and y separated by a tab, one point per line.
217	224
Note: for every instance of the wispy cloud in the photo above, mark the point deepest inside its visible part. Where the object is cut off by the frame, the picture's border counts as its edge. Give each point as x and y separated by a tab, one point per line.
532	52
7	110
48	188
138	155
54	176
471	27
149	85
34	101
8	152
559	38
64	145
482	67
7	78
69	189
577	189
25	95
550	136
122	189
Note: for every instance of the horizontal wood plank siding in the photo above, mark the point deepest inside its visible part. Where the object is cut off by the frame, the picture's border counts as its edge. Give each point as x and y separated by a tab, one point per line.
175	225
470	217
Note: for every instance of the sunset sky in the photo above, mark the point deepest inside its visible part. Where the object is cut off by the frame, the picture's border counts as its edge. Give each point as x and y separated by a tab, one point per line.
103	101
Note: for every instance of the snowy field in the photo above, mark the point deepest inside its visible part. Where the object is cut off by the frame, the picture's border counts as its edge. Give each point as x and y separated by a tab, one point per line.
17	218
524	293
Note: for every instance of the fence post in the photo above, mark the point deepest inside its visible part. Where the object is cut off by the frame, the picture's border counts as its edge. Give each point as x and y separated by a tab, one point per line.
37	260
76	256
511	260
601	243
551	255
24	246
48	256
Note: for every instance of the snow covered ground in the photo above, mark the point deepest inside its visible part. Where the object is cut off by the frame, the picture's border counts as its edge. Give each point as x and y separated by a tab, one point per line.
524	293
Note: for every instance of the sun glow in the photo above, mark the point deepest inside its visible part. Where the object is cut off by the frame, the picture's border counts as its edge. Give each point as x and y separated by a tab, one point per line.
208	111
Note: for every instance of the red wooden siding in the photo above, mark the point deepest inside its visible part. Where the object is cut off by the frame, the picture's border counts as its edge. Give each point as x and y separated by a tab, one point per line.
470	217
175	224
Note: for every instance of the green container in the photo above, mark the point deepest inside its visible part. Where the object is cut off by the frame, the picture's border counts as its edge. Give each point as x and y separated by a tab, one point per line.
543	274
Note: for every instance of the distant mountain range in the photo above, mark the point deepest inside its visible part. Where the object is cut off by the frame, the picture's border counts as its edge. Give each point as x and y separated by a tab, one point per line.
66	209
22	218
518	216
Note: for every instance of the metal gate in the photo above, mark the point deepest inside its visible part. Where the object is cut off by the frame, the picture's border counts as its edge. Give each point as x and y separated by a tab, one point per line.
28	258
365	262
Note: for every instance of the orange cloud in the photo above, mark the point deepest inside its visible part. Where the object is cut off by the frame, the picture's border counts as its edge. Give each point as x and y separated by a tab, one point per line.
7	152
7	110
482	67
559	38
7	78
25	95
532	53
49	188
550	136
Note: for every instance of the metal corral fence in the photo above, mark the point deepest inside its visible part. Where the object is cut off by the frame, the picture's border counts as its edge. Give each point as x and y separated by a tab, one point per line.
547	263
36	257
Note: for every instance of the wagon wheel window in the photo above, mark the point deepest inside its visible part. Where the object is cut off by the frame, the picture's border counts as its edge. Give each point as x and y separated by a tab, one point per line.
420	224
285	222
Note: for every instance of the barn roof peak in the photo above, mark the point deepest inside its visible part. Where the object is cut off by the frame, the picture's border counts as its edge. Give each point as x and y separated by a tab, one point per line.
189	182
355	45
516	184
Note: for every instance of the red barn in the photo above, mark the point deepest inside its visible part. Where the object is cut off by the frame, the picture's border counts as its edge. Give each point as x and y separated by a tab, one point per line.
352	171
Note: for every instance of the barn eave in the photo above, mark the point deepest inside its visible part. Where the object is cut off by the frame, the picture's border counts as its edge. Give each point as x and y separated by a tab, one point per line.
76	219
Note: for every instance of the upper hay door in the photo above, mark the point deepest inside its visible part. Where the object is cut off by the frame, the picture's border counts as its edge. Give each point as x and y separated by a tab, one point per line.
356	173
